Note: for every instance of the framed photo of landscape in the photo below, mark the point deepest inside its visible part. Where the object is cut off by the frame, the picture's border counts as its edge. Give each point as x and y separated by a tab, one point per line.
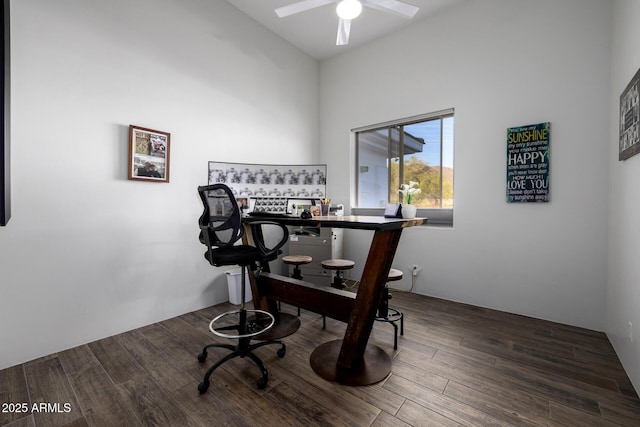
148	154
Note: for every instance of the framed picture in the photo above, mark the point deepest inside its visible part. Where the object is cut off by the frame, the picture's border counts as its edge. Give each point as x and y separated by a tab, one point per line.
630	120
271	181
148	154
528	152
243	203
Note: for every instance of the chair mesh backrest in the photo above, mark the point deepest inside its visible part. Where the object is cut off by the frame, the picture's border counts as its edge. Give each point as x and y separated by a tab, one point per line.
220	223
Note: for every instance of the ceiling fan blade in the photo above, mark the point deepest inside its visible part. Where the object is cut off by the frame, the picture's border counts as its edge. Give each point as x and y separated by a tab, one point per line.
344	27
395	7
301	6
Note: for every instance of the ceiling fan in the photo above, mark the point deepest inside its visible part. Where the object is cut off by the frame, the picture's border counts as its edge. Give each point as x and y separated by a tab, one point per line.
348	10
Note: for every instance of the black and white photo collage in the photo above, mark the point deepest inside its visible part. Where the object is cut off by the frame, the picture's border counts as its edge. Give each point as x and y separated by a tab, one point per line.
256	181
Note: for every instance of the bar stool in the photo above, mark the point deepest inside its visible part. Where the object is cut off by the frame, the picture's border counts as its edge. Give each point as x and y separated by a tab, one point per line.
296	261
388	314
339	265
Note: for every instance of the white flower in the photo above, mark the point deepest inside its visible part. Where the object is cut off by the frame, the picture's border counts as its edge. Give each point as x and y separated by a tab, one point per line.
410	189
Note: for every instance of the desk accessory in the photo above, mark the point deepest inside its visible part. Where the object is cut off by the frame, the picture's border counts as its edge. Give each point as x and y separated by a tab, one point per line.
393	210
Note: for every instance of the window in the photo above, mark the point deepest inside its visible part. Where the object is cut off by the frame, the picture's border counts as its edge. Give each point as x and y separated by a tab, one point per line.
416	149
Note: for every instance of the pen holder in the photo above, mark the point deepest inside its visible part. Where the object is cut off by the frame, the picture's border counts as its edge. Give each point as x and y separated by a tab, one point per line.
324	209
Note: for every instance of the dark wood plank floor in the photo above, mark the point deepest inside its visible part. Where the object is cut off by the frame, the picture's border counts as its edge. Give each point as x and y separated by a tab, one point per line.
456	365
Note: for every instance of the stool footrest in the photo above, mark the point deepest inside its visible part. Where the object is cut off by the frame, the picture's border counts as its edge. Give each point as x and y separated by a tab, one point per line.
393	316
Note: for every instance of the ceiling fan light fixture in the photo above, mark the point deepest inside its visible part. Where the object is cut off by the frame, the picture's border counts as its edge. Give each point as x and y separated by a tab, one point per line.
349	9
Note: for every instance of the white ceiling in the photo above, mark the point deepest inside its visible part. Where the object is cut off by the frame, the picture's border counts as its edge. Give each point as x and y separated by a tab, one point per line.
314	31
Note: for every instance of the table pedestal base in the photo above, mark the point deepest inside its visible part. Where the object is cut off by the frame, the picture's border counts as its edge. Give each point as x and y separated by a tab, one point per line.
287	325
374	368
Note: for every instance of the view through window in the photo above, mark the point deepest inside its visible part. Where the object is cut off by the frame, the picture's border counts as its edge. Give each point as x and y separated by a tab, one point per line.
419	149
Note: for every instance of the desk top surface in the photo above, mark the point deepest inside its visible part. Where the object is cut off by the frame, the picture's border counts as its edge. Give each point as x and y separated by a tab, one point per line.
349	221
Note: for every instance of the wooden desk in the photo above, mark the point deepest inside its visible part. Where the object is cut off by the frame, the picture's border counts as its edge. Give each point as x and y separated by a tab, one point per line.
347	361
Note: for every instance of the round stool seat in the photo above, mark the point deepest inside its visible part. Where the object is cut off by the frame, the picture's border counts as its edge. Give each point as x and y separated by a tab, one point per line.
297	259
338	264
394	275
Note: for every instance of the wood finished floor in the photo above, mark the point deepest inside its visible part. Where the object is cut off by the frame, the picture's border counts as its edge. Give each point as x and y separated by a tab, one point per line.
456	365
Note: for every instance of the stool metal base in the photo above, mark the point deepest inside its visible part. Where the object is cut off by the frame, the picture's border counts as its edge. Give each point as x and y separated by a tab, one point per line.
338	282
392	317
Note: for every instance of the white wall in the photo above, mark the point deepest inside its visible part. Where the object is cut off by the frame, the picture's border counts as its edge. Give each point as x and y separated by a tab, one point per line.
499	63
87	253
623	292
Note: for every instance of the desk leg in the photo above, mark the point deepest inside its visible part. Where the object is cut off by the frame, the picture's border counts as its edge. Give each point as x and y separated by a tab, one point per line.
355	363
286	324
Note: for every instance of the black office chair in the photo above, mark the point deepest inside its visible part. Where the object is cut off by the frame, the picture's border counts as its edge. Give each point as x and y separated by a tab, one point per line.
220	229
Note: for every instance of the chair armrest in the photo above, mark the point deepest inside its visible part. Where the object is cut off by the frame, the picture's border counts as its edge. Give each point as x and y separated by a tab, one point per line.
258	238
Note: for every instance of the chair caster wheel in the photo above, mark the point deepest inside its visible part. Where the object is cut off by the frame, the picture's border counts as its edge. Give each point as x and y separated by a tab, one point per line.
203	387
281	352
262	383
202	357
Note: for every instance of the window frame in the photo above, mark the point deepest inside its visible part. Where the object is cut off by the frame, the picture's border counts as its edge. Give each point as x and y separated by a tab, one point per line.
436	216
